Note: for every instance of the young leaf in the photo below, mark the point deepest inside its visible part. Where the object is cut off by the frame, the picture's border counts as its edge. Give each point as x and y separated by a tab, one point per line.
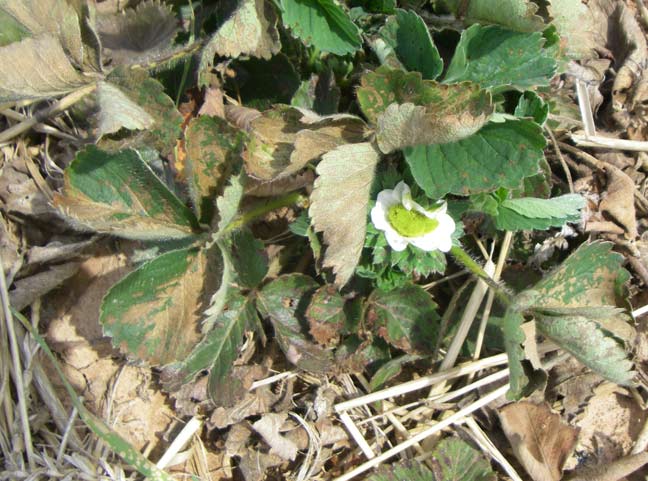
154	313
39	69
213	150
529	213
411	111
250	30
55	18
326	316
138	35
520	59
531	105
513	339
339	205
405	317
117	111
284	302
119	194
519	15
408	38
322	24
499	155
149	95
218	349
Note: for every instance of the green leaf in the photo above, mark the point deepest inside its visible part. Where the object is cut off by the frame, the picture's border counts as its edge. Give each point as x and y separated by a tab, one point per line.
322	24
213	150
519	15
117	193
39	69
245	255
409	470
139	35
250	30
117	111
154	313
501	59
326	316
499	155
531	105
409	40
339	205
284	301
388	7
218	349
405	317
390	370
411	111
530	213
227	204
149	95
513	339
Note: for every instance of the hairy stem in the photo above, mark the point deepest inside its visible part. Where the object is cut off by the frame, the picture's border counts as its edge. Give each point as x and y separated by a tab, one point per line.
262	209
469	263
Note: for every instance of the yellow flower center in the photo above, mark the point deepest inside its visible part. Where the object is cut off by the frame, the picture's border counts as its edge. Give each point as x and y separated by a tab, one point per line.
410	223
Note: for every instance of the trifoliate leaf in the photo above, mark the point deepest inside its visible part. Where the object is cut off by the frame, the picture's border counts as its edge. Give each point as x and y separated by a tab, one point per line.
117	193
138	35
149	94
39	69
285	139
56	18
513	339
154	313
218	349
250	30
530	213
213	150
322	24
409	40
519	15
499	155
405	317
117	111
501	59
339	205
284	302
531	105
326	316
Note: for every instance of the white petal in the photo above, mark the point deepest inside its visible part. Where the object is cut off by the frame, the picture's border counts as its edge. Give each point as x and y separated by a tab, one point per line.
395	240
387	198
446	225
402	190
428	242
445	244
379	217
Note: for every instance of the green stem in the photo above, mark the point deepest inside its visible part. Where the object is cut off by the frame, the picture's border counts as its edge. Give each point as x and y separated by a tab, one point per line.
263	208
469	263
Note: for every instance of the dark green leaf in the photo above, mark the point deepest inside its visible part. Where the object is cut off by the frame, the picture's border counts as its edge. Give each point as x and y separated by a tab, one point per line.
119	194
513	339
154	313
245	255
405	317
322	24
531	213
496	58
326	316
390	370
499	155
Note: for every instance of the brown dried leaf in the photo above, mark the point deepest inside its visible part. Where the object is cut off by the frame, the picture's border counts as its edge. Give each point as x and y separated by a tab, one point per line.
269	427
619	201
540	440
28	289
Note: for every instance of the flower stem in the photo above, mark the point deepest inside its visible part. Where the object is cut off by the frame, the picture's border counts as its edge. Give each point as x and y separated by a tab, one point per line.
469	263
262	209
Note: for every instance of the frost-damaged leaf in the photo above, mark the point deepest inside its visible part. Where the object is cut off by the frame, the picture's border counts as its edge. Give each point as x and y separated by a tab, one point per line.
521	60
11	30
117	193
213	151
531	213
326	316
218	349
138	35
284	301
513	339
117	111
227	204
411	111
499	155
285	139
269	427
322	24
149	94
154	313
49	17
38	69
405	317
517	15
579	26
539	438
250	30
339	205
408	38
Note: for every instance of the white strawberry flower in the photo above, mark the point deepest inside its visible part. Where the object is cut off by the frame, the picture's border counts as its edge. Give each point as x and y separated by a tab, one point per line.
406	222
